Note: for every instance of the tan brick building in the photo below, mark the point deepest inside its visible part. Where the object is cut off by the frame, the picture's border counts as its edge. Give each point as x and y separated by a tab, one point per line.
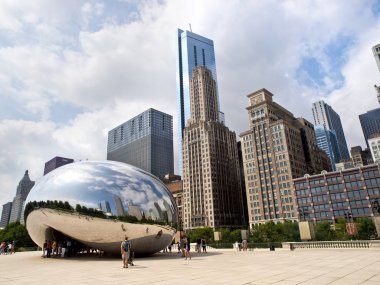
211	176
277	148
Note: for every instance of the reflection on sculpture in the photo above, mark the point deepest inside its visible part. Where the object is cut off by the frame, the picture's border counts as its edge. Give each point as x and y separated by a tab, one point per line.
98	203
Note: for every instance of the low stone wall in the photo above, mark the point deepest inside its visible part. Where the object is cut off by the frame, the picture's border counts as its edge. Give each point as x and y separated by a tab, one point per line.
371	244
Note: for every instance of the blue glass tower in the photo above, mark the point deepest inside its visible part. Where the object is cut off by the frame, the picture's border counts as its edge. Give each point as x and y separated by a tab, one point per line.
370	122
193	50
327	141
325	115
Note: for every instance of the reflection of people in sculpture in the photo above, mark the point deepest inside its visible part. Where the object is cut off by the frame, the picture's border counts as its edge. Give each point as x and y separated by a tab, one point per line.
159	234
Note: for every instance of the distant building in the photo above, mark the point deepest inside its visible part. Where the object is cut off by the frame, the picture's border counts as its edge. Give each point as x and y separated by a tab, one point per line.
23	189
376	54
211	177
344	164
326	140
324	114
277	148
242	182
5	214
377	88
330	196
374	145
175	186
55	163
370	122
325	161
361	157
145	141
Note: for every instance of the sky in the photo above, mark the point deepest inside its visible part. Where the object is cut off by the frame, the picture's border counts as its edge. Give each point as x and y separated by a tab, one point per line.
72	70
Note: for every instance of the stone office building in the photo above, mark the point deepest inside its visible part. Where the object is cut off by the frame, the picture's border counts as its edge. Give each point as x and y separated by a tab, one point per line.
276	148
211	177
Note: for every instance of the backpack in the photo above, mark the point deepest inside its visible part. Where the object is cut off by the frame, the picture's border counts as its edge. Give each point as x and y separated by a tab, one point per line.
126	246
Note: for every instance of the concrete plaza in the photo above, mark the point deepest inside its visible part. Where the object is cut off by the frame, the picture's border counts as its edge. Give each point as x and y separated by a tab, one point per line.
345	266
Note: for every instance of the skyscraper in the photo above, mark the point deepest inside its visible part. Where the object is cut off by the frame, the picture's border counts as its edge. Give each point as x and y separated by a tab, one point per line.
326	140
55	163
277	148
145	141
376	54
5	214
22	192
193	50
370	122
211	177
325	115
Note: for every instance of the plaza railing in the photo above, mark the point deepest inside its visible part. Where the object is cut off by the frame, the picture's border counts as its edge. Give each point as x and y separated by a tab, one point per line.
375	244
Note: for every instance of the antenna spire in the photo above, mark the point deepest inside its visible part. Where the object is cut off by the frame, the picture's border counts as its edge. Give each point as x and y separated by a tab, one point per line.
190	27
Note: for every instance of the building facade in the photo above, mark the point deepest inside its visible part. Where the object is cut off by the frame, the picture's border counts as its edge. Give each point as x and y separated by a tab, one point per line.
324	114
175	186
145	141
360	157
376	54
276	148
5	214
326	140
23	189
374	145
193	50
353	192
55	163
370	122
211	177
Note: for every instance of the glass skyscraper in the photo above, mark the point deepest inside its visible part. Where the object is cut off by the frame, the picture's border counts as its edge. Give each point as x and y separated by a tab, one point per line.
326	141
145	141
325	115
370	122
193	50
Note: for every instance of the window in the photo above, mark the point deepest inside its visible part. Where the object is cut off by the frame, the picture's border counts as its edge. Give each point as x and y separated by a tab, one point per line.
195	56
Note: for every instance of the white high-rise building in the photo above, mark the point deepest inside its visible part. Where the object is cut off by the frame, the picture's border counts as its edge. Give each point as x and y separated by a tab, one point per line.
376	54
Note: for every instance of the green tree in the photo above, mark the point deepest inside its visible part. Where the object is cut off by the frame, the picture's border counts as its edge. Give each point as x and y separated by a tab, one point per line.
366	228
206	232
18	233
324	231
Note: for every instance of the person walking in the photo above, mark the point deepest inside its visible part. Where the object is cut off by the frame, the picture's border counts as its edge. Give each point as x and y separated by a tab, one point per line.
203	243
188	255
125	249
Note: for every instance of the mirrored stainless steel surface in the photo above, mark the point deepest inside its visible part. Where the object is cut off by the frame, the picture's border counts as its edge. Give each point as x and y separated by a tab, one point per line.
100	202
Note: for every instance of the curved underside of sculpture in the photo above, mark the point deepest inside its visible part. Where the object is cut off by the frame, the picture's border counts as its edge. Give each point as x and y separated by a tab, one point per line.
101	234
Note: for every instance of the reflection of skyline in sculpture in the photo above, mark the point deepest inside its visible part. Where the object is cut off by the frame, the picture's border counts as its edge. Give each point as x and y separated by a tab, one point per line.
134	210
78	190
117	183
105	207
119	206
159	211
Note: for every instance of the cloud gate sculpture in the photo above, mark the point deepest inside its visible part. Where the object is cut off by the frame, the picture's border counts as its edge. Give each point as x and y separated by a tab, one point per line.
98	203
